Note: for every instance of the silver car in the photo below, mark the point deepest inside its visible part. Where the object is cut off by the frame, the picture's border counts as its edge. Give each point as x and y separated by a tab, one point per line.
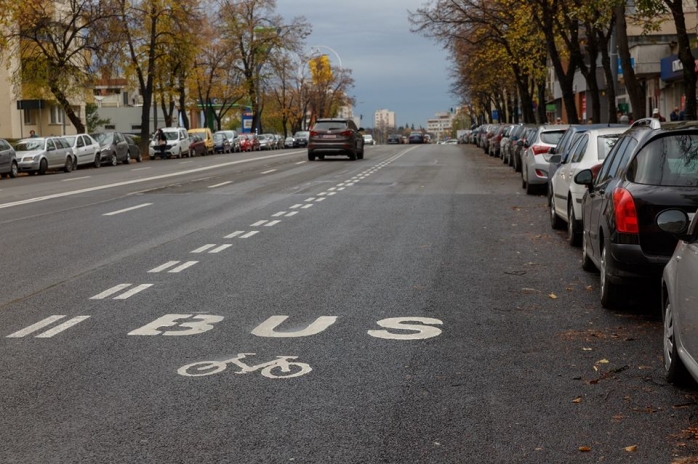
39	154
8	160
680	297
86	150
534	159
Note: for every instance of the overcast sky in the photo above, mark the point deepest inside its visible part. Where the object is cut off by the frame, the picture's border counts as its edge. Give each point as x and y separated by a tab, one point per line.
392	67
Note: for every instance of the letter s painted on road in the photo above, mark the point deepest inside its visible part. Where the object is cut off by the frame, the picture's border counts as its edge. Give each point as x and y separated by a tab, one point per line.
400	323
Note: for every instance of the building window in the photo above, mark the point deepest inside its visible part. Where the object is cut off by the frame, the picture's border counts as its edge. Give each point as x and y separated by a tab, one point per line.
56	114
109	127
29	117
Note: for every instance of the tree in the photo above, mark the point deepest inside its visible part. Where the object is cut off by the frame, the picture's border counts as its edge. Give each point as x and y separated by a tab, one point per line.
92	119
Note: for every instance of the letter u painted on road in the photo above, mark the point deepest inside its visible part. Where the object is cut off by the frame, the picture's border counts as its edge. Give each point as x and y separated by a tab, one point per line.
267	328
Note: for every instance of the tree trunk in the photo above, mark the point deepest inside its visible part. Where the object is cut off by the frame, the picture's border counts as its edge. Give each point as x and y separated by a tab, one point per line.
603	40
632	84
685	56
67	108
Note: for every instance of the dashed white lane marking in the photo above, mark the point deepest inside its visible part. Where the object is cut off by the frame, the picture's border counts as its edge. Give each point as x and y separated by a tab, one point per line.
269	171
110	292
259	223
76	178
61	327
298	205
280	213
321	194
235	234
185	162
292	213
301	162
310	199
320	199
183	266
272	223
34	327
127	209
332	188
140	169
307	206
220	185
350	184
340	189
249	234
133	291
220	248
332	193
162	267
177	269
340	184
204	248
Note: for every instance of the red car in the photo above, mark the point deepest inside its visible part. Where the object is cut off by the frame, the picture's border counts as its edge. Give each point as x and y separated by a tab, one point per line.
249	142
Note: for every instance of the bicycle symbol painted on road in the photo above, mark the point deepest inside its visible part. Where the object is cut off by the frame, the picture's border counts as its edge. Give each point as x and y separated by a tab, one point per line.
279	368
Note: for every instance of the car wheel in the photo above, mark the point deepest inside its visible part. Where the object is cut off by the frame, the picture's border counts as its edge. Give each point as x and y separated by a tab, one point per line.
352	155
609	290
68	167
573	235
113	160
98	160
75	163
43	167
555	221
587	263
674	369
128	158
139	158
14	170
311	156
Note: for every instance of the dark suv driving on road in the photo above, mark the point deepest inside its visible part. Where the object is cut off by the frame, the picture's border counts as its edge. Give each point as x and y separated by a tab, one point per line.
335	137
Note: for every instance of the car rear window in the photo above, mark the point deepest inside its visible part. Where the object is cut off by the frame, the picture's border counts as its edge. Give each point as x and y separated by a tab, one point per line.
551	137
605	143
330	125
669	161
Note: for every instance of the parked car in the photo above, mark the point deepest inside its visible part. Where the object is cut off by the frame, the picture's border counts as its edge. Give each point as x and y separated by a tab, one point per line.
266	141
368	140
39	154
529	132
651	168
504	141
508	151
197	146
8	160
564	196
301	139
416	137
221	143
336	136
206	134
133	148
177	146
249	142
233	138
86	150
394	139
495	144
534	160
113	147
288	143
679	297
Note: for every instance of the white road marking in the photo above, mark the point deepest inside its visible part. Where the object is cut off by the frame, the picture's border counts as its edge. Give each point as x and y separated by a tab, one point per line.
249	234
332	188
162	267
111	291
127	209
341	184
320	199
220	185
272	223
141	180
133	291
350	184
204	248
140	169
183	266
267	172
340	189
321	194
235	234
259	223
220	248
185	162
34	327
301	162
298	205
60	328
307	206
280	213
292	213
332	193
310	199
76	178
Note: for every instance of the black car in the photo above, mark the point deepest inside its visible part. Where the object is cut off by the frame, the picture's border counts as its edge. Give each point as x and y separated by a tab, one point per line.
651	168
394	139
416	137
335	136
113	146
300	139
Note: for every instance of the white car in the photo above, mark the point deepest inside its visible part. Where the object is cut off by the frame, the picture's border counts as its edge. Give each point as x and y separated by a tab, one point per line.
368	139
178	142
565	196
86	150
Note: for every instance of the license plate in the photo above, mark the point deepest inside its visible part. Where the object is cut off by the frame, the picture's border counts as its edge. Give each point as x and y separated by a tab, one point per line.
329	136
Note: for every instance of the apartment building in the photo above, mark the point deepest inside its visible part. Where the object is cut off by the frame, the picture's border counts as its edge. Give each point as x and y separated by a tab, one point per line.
440	124
384	119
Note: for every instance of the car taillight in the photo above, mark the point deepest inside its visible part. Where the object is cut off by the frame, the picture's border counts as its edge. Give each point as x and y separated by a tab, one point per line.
595	170
626	215
346	133
539	149
313	134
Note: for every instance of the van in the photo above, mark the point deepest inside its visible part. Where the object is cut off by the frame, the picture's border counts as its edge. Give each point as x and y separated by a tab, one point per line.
206	134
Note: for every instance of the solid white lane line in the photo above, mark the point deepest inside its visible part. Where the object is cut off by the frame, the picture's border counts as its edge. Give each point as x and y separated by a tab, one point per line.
307	206
61	327
76	178
144	179
133	291
220	185
280	213
272	223
185	162
235	234
127	209
249	234
183	266
267	172
259	223
220	248
34	327
140	169
111	291
204	248
292	213
162	267
298	205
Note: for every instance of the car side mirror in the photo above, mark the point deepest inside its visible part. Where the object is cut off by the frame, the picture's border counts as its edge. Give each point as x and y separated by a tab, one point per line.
677	223
585	177
519	143
555	159
552	151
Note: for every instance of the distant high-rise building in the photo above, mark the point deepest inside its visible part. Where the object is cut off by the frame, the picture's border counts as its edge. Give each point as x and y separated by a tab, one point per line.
384	119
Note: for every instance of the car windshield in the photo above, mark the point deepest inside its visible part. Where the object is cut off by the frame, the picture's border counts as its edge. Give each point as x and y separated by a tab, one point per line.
669	161
218	137
29	145
329	125
301	134
170	135
606	142
103	137
551	137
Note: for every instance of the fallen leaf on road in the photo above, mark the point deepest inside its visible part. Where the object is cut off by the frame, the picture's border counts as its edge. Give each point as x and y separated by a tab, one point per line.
553	296
530	290
589	288
587	349
631	449
577	400
584	449
602	361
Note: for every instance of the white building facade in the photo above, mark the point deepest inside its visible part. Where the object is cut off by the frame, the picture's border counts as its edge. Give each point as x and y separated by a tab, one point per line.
440	125
384	119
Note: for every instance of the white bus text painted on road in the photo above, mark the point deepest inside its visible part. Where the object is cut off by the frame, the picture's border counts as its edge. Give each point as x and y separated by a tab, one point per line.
267	328
422	331
201	323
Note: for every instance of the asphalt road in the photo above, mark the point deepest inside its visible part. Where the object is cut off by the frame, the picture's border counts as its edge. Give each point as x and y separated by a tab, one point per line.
411	307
